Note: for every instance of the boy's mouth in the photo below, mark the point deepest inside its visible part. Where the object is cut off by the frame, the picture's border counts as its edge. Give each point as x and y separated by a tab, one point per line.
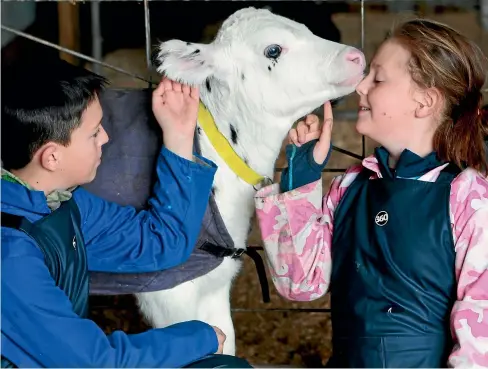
364	108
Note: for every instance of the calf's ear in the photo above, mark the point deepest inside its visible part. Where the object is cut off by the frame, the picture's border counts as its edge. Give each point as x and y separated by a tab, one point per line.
189	63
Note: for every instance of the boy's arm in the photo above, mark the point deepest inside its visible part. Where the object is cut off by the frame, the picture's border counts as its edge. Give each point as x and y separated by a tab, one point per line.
469	315
120	239
39	327
296	229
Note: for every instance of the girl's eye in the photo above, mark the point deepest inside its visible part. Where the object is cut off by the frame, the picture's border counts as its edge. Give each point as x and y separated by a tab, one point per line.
96	133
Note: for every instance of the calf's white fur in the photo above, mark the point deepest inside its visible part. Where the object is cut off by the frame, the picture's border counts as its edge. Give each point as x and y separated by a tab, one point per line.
260	74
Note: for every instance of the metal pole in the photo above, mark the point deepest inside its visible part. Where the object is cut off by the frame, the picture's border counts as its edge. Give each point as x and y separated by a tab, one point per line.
75	53
96	34
147	25
362	48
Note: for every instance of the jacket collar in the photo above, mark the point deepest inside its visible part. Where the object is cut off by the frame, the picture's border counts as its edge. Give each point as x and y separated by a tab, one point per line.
17	196
409	164
52	200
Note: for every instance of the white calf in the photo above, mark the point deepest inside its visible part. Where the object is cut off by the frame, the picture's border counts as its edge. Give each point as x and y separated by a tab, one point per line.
260	74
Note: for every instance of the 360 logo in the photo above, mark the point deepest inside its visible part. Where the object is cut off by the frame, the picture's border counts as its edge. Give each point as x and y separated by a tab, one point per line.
381	218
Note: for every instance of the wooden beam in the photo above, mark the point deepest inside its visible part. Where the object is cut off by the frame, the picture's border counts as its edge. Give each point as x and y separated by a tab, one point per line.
69	29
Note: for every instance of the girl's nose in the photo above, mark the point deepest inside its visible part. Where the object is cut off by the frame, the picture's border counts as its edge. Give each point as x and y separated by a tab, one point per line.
361	88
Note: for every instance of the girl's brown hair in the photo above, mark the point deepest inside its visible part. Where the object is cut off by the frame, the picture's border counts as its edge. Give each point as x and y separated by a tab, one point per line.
444	59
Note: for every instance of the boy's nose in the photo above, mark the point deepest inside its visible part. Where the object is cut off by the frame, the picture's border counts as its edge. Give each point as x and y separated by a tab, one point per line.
104	138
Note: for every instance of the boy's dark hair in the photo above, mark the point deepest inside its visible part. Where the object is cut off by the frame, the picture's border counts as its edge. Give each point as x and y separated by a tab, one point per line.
42	102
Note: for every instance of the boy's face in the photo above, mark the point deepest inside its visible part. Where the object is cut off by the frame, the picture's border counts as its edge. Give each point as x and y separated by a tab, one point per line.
81	158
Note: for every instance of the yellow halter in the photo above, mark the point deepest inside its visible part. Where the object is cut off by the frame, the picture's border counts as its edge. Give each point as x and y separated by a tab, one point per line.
225	150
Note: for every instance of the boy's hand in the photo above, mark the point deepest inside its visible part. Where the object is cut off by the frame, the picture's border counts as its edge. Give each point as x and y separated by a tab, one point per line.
175	107
221	338
310	129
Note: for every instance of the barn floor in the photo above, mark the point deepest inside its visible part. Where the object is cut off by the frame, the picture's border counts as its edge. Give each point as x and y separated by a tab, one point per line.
295	339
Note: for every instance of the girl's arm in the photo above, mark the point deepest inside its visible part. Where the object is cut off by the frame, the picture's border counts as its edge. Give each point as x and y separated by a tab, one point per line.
296	228
302	168
469	316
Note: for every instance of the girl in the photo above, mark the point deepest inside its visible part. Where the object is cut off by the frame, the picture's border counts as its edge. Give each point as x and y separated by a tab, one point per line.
400	241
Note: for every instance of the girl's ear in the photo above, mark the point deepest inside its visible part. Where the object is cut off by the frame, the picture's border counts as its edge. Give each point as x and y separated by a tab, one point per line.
428	102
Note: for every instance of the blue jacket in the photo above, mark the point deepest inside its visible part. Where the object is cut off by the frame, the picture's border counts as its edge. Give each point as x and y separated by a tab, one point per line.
39	327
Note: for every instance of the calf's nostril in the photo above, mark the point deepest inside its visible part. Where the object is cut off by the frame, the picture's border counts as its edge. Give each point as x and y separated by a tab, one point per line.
355	57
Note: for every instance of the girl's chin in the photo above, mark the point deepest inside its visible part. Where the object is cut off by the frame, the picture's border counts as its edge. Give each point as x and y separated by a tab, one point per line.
361	126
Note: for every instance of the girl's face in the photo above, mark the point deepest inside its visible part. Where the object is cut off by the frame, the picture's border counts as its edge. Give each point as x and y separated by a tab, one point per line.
390	104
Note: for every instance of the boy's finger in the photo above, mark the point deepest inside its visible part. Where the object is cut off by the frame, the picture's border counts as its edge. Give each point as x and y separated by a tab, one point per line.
194	92
168	86
176	86
186	90
158	91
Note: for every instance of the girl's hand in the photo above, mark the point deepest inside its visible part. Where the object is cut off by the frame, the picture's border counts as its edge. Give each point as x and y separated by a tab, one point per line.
310	129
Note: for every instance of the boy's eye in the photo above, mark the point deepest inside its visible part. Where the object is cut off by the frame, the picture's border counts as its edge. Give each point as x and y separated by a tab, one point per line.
96	133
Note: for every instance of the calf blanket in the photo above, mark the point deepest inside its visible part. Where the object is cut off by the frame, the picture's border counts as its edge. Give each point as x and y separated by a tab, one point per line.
126	177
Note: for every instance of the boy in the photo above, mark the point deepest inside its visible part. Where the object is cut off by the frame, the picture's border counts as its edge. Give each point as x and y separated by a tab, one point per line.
54	233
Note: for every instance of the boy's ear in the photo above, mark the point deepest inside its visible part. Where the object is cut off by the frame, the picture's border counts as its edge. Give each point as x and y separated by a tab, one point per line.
189	63
49	156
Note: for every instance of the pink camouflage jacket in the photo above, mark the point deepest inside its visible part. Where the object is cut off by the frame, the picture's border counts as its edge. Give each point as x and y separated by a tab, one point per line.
297	226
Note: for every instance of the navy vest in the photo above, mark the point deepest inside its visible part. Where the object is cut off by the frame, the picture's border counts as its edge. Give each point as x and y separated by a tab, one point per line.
393	273
59	237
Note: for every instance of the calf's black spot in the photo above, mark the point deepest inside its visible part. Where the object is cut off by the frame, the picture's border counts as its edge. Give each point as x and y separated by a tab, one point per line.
233	134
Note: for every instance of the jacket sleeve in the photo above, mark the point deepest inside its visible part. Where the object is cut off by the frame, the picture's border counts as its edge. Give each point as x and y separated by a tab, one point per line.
296	229
120	239
302	168
39	327
469	315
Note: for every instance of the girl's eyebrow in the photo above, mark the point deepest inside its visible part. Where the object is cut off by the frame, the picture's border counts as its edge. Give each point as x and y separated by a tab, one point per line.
376	65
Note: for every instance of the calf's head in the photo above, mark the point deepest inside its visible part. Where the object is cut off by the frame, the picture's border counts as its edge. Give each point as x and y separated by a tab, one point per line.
264	64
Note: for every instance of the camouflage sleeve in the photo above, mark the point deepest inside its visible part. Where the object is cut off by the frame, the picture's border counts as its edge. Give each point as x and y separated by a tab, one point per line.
469	316
296	228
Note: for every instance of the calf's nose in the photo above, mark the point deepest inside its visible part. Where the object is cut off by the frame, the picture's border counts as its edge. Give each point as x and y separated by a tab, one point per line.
355	56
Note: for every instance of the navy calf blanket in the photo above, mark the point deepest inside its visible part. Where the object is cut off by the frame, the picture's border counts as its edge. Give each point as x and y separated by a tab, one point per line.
126	177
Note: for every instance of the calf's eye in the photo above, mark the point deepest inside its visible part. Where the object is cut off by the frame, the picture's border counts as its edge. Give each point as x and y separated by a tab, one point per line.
272	51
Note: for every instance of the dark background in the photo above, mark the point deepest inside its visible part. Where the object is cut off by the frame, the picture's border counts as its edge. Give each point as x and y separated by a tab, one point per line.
122	23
